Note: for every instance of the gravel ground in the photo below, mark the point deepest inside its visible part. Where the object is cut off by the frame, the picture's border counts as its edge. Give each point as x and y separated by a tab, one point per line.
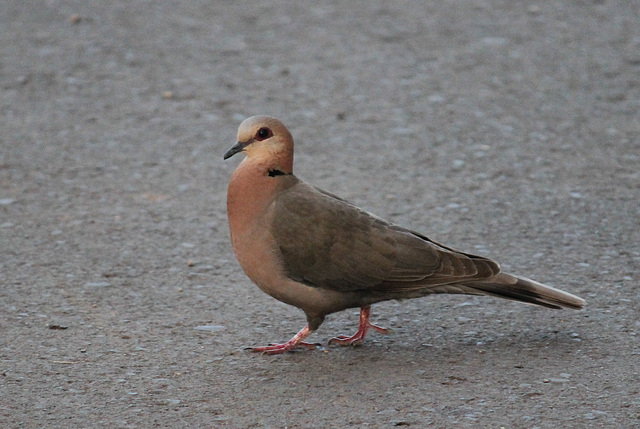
505	128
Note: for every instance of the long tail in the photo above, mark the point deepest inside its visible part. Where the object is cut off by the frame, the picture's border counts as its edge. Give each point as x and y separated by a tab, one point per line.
522	289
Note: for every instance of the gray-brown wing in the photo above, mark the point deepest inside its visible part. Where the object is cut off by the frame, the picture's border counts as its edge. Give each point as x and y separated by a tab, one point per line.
329	243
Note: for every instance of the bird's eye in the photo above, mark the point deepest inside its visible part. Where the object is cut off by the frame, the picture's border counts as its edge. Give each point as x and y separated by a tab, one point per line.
263	133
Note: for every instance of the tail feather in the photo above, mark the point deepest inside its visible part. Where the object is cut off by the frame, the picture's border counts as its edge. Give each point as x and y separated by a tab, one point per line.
522	289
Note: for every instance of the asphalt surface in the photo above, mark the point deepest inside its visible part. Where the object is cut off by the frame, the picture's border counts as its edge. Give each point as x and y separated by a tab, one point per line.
505	128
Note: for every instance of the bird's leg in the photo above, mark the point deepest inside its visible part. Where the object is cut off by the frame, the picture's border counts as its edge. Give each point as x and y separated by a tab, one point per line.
364	326
293	343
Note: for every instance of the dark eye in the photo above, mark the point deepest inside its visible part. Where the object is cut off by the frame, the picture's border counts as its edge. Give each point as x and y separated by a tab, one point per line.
263	133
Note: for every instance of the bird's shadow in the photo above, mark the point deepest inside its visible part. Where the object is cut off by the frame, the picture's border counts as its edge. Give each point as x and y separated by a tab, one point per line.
404	357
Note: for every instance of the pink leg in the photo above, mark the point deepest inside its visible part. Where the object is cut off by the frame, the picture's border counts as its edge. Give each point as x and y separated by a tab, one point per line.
364	326
293	343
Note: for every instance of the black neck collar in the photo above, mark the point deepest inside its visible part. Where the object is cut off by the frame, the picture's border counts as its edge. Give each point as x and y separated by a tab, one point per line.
274	173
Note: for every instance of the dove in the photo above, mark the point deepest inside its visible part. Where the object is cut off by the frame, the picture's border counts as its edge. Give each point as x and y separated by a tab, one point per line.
313	250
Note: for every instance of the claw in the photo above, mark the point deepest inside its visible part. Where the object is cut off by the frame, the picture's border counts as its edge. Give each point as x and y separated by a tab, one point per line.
364	326
276	349
290	345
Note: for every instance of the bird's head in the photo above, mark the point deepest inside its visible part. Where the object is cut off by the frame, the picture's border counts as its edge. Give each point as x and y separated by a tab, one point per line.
265	139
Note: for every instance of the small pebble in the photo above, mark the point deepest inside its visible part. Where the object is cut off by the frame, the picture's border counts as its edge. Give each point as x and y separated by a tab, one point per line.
98	284
457	164
210	328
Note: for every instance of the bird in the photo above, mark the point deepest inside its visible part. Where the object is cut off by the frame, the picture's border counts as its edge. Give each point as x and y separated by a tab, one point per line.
314	250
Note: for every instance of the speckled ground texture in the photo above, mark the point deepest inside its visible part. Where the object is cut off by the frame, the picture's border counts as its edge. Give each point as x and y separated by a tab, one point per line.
505	128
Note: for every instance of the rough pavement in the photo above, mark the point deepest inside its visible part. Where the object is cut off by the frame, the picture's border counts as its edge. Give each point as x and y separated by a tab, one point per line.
121	302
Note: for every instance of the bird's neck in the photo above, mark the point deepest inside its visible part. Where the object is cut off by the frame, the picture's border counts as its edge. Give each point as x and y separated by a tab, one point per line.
252	188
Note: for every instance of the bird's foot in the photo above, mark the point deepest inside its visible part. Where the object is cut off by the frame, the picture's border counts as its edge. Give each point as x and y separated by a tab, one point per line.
358	337
343	340
276	349
292	344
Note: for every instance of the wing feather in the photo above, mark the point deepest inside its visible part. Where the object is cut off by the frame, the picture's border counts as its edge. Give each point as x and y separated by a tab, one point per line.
328	243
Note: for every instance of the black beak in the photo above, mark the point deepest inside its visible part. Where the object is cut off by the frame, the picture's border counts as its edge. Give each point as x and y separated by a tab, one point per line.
238	147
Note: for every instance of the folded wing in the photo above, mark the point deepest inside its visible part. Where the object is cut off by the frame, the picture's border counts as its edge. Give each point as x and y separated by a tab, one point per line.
326	242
